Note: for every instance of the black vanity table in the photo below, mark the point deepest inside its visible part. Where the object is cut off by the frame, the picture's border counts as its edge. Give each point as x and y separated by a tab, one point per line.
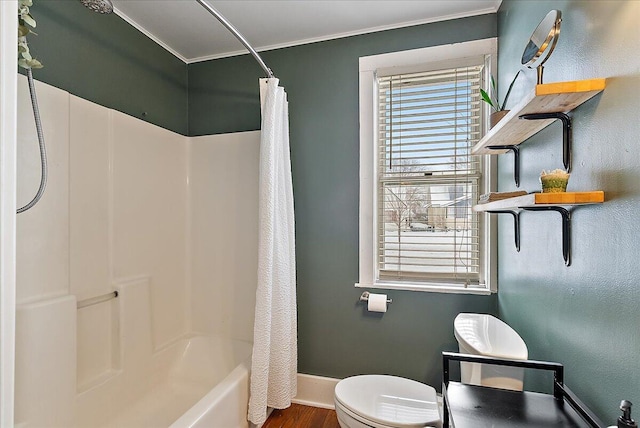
470	406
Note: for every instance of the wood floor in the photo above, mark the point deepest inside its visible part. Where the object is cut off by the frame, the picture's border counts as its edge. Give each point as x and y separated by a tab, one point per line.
298	416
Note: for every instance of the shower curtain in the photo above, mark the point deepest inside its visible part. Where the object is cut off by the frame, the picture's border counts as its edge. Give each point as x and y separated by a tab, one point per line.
275	343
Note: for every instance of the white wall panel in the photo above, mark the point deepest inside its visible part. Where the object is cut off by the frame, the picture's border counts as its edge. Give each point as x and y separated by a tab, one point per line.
89	198
224	232
126	199
149	217
43	231
89	129
46	362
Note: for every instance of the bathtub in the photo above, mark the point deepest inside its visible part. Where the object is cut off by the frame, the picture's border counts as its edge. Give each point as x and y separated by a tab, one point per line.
197	381
225	405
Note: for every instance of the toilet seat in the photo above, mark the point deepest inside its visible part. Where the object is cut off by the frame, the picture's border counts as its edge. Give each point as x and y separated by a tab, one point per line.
388	401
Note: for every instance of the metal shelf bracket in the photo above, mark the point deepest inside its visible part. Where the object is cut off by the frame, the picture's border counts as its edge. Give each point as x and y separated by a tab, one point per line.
566	132
566	229
516	224
516	160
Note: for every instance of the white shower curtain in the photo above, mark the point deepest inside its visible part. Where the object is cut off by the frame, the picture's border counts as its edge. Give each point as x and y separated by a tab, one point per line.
275	343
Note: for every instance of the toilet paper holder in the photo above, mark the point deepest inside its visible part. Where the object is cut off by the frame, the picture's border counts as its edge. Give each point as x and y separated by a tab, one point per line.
364	297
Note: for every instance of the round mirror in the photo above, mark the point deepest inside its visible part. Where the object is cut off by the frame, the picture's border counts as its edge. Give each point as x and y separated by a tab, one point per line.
542	42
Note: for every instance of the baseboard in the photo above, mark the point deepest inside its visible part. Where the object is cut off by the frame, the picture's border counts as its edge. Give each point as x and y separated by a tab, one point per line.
315	391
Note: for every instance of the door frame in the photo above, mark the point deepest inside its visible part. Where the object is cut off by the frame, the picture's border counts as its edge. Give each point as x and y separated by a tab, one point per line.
8	138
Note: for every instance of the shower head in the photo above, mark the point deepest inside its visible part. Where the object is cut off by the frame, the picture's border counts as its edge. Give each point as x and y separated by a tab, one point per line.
100	6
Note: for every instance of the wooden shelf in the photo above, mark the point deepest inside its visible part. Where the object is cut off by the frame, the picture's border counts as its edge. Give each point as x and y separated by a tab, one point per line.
544	202
546	98
541	107
543	199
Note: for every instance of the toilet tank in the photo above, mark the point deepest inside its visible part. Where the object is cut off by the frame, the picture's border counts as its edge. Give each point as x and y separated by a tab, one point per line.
486	335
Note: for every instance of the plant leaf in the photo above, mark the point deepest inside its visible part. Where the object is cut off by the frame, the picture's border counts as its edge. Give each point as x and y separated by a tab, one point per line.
34	63
23	31
26	55
486	98
29	20
506	97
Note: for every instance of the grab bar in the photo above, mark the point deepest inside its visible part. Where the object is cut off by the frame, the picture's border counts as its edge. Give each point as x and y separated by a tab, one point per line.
98	299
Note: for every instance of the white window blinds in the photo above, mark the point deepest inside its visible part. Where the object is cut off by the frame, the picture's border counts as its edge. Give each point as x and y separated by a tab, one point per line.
427	179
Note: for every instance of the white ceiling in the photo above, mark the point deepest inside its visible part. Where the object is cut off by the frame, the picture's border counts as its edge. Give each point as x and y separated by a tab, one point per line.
187	30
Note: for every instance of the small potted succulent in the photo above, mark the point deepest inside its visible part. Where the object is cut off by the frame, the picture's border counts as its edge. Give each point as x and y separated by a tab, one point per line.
499	109
554	181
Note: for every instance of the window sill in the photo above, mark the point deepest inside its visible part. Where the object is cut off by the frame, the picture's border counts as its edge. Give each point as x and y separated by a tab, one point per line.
408	286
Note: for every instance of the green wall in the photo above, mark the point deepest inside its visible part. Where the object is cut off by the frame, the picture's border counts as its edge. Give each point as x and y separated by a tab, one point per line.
586	316
103	59
336	336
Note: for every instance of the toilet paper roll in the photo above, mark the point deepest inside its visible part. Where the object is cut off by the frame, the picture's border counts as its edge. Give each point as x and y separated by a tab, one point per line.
377	303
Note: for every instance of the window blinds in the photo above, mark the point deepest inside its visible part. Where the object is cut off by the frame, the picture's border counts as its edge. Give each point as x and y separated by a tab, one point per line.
427	179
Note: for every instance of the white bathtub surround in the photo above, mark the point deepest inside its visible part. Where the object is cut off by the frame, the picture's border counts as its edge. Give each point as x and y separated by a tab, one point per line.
275	353
43	231
46	362
200	381
168	221
223	256
226	404
195	381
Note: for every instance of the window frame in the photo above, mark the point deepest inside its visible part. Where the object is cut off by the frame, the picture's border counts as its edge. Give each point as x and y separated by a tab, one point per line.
403	62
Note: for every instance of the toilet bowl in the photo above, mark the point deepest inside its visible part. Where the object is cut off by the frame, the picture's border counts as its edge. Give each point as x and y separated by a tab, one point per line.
382	401
482	334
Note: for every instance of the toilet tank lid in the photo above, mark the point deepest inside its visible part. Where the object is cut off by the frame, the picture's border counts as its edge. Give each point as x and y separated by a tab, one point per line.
389	400
484	334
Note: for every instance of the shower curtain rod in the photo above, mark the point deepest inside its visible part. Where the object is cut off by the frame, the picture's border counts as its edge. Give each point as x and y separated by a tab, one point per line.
236	33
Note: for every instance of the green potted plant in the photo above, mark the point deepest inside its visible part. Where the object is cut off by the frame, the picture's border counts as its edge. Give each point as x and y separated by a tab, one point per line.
554	181
25	20
499	109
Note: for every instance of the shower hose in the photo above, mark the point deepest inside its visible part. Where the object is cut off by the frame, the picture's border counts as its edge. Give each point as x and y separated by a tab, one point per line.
43	152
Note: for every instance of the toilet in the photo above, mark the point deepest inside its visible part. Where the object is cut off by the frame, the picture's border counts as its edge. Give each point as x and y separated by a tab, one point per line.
382	401
486	335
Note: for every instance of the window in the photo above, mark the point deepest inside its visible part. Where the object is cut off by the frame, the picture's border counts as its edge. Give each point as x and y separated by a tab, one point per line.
420	114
